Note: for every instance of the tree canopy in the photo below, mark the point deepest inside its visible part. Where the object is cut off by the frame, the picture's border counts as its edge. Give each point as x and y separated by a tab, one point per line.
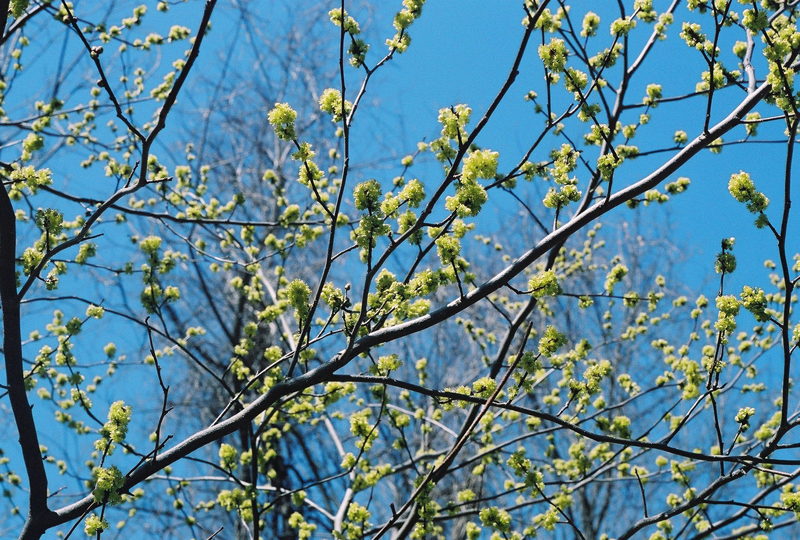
278	270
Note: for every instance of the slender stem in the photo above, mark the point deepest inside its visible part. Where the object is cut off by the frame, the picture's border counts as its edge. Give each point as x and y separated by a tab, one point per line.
786	337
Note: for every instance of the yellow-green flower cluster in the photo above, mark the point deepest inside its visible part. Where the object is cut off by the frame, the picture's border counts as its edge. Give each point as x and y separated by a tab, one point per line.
717	76
470	195
360	427
304	529
496	518
227	457
108	481
594	374
453	120
791	502
653	94
755	301
548	21
385	365
480	164
692	34
607	57
575	80
412	193
554	55
751	125
32	178
621	27
331	102
357	50
551	341
782	41
725	262
411	11
544	284
282	119
755	20
333	296
468	200
150	246
18	7
30	144
343	20
367	195
370	227
621	425
177	33
565	160
678	186
591	22
298	294
728	310
116	428
607	164
561	198
743	417
614	276
94	525
742	188
448	248
484	387
644	10
49	221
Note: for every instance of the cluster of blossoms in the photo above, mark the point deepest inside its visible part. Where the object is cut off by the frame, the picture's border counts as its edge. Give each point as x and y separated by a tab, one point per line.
116	428
470	195
453	119
742	188
411	11
331	102
728	310
282	118
544	284
565	160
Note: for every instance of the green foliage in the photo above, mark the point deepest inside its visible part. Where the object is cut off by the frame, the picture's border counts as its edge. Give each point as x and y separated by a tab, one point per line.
398	336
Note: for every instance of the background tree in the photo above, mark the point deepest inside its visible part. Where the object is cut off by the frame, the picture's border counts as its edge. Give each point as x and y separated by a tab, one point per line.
259	70
254	323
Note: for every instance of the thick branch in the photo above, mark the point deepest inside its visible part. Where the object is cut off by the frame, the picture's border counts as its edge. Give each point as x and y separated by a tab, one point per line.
15	378
591	215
